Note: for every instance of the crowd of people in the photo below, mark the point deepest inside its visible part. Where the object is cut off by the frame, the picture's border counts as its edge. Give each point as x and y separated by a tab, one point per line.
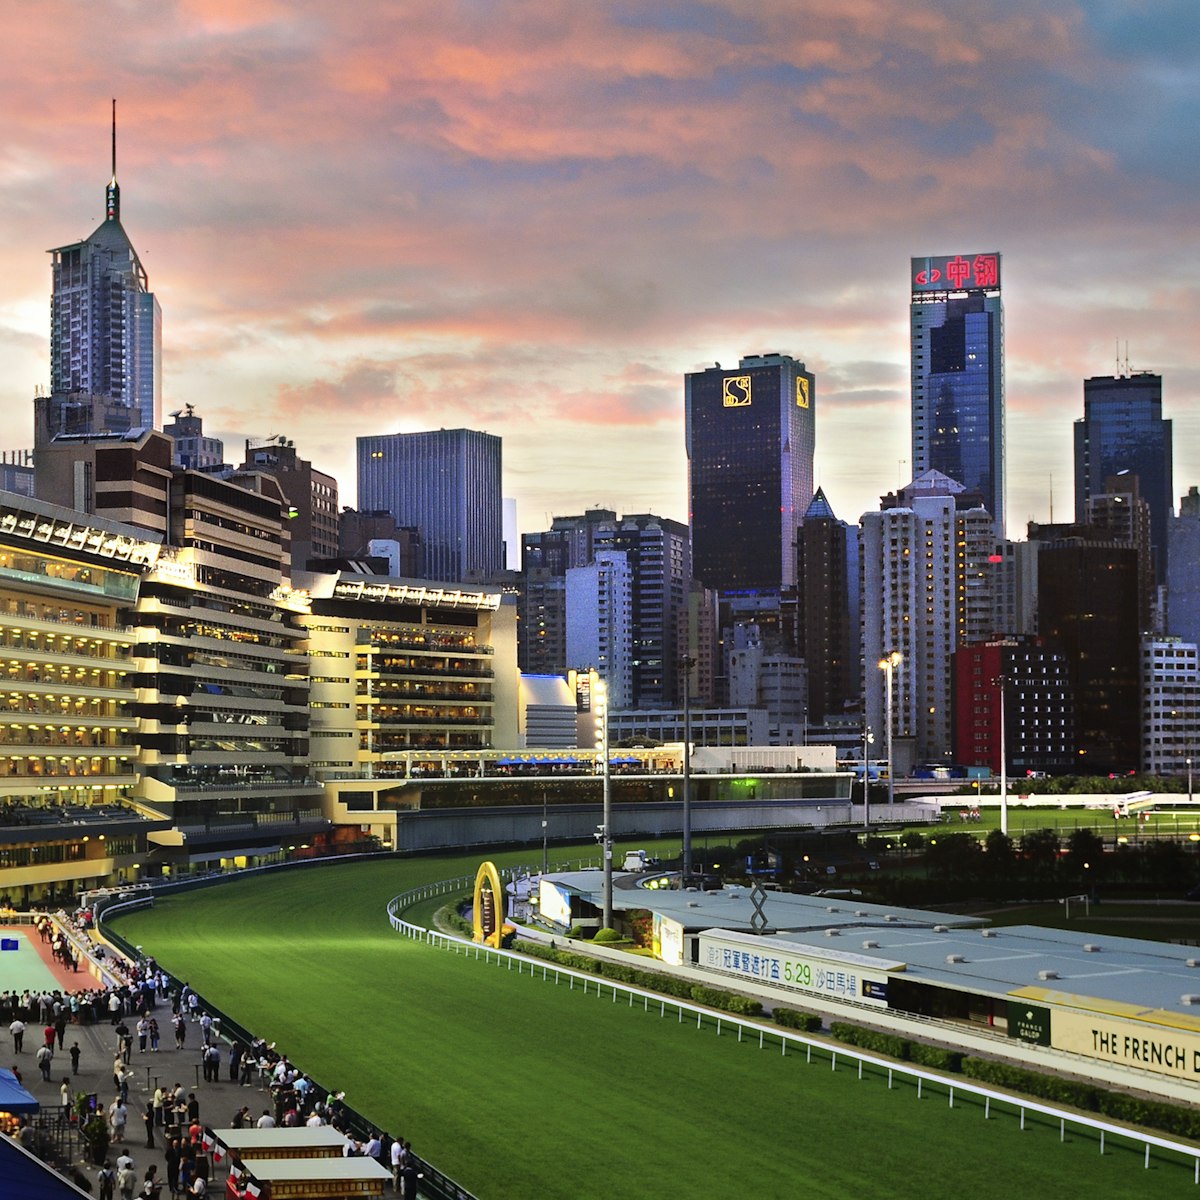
131	1002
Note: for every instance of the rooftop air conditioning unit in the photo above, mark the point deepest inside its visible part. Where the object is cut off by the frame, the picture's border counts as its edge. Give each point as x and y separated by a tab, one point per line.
1047	975
955	958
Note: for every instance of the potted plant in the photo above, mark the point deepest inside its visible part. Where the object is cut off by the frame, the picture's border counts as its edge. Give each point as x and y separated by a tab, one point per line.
93	1130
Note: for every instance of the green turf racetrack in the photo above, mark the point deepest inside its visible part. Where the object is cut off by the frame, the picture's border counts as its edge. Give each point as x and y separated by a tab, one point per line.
518	1088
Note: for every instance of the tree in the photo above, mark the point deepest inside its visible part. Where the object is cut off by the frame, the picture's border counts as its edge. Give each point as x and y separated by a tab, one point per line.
1085	854
1039	849
954	857
999	856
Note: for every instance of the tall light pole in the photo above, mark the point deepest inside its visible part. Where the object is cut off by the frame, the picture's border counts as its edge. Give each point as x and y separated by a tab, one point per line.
868	738
600	694
1000	682
888	666
687	663
1189	767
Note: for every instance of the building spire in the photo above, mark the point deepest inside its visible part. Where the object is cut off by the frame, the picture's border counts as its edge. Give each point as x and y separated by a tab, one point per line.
112	193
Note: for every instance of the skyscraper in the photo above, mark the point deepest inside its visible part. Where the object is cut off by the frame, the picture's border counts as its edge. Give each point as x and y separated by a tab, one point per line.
446	483
751	435
1123	431
825	617
957	329
105	323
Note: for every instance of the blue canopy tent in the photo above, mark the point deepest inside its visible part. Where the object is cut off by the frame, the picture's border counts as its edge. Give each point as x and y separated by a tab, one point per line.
13	1097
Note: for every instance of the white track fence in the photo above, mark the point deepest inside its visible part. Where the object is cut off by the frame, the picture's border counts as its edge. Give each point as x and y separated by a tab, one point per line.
788	1041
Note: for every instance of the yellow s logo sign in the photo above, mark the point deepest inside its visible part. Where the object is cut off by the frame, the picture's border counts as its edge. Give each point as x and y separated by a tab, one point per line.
736	391
801	392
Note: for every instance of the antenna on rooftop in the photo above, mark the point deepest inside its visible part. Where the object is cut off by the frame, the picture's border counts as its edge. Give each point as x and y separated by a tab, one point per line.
112	194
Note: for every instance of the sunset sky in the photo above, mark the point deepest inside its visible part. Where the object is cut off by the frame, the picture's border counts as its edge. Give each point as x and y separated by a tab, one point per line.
534	216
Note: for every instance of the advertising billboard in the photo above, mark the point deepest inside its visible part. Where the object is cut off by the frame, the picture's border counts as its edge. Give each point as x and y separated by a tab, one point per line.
1131	1044
834	974
554	903
956	273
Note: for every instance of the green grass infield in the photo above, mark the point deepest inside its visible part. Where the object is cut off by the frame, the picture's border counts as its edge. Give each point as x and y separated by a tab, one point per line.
517	1087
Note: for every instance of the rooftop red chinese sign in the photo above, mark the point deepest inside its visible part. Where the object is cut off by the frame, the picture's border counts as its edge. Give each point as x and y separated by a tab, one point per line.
956	273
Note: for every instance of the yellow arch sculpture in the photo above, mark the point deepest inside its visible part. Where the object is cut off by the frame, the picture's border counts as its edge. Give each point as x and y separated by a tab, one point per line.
487	874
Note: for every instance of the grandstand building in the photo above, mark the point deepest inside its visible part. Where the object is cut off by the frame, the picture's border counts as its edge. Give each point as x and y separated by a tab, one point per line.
69	811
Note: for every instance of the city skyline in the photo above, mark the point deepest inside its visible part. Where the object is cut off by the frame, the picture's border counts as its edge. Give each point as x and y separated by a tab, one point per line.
535	220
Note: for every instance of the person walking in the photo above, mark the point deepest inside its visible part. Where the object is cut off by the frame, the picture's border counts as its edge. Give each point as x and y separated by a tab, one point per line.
117	1116
126	1182
106	1177
44	1057
172	1157
148	1118
64	1092
17	1029
74	1052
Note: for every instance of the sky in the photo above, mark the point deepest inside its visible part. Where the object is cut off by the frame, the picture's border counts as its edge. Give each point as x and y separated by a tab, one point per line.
533	217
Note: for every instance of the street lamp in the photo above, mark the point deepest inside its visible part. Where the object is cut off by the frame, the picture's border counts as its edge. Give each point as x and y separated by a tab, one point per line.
600	694
687	663
1189	767
545	827
888	666
868	738
1000	681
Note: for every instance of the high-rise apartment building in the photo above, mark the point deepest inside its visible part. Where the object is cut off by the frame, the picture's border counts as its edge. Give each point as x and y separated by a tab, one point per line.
600	622
1170	705
659	554
751	437
105	323
923	595
446	483
1183	569
659	560
1123	432
957	345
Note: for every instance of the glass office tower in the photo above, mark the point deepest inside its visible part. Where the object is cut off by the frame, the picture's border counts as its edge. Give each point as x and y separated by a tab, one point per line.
751	435
445	483
957	331
1123	431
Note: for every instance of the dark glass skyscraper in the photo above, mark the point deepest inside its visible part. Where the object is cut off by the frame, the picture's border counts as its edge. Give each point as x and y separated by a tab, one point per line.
751	435
105	323
957	327
1123	431
446	483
